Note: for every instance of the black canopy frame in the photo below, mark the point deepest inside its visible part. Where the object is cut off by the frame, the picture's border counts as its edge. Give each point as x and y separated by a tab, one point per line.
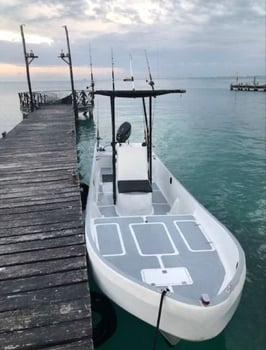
148	120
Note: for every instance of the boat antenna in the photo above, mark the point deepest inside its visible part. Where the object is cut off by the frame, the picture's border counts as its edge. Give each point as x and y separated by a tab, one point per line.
92	78
113	75
150	82
131	72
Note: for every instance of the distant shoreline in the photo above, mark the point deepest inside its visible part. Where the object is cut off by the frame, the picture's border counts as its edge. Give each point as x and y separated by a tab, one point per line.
232	77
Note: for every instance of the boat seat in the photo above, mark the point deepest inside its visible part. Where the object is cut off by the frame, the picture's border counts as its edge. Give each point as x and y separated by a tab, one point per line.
125	186
134	191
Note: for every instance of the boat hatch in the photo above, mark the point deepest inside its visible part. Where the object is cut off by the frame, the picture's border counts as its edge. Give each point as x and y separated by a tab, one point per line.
174	276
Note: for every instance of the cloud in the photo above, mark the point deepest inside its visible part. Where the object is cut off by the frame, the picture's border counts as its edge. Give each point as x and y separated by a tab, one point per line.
7	35
182	36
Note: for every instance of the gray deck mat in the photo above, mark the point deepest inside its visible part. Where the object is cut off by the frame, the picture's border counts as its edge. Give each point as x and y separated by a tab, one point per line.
167	235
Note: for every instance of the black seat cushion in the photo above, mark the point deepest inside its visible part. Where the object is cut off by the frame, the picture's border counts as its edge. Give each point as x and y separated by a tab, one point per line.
125	186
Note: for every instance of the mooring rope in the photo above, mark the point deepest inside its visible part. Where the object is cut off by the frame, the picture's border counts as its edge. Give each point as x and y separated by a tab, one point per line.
164	291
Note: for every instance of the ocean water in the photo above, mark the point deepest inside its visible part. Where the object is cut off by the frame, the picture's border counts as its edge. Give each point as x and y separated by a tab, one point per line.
213	140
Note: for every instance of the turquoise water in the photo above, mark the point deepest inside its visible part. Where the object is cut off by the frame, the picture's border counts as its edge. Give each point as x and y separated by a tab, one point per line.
213	140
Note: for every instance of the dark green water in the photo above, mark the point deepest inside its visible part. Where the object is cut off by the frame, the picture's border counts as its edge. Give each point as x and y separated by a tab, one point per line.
213	140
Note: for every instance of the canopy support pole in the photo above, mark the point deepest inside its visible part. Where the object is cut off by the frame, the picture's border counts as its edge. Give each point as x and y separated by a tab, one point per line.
112	100
150	139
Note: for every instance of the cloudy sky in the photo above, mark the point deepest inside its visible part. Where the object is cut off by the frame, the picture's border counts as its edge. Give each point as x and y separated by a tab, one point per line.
182	37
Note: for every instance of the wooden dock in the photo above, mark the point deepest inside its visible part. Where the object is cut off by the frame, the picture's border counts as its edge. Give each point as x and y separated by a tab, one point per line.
44	294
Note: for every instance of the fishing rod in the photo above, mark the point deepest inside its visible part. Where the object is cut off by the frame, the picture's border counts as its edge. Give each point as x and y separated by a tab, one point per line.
150	82
113	75
92	78
146	129
98	138
131	72
148	119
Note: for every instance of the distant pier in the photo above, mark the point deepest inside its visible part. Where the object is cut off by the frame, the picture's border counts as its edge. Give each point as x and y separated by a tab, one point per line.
44	293
249	86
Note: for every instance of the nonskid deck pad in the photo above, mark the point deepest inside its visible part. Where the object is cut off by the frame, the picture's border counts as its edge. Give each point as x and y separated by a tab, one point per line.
162	250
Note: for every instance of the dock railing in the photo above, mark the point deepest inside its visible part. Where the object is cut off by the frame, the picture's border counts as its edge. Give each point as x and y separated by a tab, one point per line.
84	99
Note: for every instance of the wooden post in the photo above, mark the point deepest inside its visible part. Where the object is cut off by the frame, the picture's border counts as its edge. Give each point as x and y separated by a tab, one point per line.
29	57
67	59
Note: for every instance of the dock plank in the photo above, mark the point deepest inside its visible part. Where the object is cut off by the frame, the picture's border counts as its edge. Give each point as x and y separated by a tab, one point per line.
33	299
35	283
35	244
46	336
38	228
44	292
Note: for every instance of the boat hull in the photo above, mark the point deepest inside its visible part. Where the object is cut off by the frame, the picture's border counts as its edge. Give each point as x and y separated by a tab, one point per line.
203	243
178	319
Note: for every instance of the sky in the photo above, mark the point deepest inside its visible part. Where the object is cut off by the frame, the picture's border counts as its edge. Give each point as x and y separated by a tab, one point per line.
182	38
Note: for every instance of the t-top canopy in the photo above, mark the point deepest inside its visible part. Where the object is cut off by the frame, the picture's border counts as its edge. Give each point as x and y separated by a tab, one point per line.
137	93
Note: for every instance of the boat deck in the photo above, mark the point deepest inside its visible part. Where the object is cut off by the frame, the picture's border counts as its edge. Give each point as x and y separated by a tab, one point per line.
180	257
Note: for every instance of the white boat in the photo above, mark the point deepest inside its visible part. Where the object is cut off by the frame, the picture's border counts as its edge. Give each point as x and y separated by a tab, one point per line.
154	249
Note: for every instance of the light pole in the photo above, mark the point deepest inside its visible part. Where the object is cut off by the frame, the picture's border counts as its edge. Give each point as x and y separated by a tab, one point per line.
67	59
29	57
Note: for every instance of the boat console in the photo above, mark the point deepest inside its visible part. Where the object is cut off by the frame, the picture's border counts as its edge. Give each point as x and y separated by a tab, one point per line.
134	191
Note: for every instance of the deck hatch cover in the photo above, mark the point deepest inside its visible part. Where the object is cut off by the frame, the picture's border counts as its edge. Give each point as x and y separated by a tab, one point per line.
173	276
